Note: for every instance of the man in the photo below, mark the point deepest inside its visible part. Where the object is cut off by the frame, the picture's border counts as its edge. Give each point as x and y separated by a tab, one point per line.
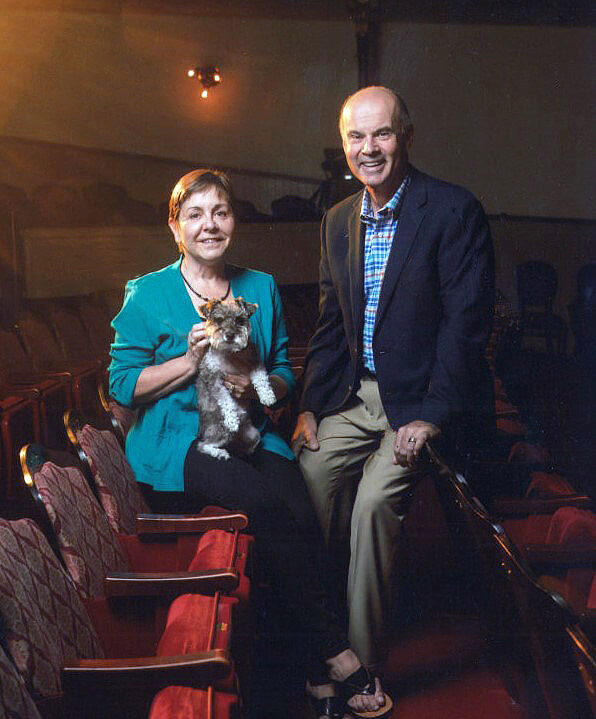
407	285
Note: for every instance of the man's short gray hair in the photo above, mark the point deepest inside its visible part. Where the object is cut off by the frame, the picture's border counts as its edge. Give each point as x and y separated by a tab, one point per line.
401	115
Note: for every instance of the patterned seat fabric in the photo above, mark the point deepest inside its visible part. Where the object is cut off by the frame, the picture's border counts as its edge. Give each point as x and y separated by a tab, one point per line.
184	703
45	622
117	488
88	544
124	415
15	701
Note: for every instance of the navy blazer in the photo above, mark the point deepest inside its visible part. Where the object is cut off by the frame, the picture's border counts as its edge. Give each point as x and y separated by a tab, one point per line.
434	314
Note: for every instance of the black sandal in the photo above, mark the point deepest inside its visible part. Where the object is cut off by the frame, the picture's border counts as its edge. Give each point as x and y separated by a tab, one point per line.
363	682
332	707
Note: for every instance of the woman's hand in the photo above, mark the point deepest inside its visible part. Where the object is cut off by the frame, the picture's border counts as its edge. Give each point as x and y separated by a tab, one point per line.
240	386
197	343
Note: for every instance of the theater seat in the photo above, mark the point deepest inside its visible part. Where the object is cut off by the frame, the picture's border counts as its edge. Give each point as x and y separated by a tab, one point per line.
19	420
127	511
184	703
100	561
86	658
15	700
46	356
121	417
52	393
566	558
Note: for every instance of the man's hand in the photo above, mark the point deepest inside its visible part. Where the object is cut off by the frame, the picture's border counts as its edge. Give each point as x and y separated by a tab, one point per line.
305	433
410	439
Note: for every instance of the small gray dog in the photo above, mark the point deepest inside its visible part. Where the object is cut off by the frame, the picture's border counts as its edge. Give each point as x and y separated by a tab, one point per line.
224	420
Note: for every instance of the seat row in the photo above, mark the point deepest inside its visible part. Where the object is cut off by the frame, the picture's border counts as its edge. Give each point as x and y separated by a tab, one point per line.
108	610
544	649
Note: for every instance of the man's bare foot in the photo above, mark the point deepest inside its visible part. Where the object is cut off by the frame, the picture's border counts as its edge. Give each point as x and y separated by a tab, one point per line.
344	665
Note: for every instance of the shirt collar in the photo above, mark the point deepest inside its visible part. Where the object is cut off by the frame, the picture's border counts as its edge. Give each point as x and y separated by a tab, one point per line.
393	205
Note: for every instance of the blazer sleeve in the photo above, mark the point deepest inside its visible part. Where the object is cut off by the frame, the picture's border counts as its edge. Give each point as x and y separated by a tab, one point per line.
133	348
467	289
328	354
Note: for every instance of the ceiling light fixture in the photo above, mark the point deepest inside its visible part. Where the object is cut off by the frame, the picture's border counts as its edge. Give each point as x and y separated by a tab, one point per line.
208	75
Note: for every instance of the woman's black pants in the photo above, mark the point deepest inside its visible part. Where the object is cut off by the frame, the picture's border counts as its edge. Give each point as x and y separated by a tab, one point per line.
270	489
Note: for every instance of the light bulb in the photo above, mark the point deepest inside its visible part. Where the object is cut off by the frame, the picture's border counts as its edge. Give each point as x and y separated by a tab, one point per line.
216	77
204	93
191	73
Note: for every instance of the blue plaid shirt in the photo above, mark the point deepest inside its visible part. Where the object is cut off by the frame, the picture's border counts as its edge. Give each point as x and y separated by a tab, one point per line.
380	233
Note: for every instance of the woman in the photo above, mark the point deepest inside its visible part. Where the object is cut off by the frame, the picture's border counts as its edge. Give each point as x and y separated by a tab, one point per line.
158	346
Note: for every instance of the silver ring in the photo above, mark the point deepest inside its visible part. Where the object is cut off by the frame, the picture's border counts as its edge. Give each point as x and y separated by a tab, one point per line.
412	440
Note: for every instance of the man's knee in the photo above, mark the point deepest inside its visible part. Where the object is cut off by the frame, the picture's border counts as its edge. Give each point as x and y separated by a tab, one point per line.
372	506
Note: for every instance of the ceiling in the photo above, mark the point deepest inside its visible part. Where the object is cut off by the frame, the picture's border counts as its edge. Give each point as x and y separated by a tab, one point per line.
502	12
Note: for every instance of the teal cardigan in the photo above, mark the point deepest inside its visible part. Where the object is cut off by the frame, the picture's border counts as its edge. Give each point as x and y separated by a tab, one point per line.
151	328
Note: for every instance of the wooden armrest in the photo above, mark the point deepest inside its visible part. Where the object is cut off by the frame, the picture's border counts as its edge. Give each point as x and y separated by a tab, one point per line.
157	584
504	508
559	556
188	523
23	390
193	670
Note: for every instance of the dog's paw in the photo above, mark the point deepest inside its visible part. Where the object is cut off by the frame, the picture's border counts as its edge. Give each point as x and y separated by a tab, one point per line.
260	381
213	451
267	397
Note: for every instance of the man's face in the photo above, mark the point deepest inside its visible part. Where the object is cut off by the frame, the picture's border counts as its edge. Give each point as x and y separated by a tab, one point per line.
376	152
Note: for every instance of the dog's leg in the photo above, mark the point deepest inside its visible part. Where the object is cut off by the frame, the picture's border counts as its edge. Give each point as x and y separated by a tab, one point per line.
260	381
212	450
249	436
230	410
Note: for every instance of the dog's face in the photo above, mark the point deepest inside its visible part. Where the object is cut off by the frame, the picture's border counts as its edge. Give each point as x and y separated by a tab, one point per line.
228	323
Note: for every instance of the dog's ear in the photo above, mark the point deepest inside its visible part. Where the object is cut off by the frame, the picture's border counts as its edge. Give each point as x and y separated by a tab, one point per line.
249	307
206	309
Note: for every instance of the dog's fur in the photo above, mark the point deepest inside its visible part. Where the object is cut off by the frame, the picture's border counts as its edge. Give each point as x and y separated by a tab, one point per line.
224	420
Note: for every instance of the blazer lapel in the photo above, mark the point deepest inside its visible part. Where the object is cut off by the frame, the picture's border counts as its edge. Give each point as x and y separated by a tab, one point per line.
356	245
411	214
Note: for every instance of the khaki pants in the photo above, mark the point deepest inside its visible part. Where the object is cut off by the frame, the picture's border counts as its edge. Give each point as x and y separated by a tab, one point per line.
361	498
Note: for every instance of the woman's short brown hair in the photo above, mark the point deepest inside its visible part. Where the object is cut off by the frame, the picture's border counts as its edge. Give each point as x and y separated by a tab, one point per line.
198	181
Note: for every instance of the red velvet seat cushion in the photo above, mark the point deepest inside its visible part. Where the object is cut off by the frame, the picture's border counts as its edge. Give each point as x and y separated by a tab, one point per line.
544	485
185	703
529	453
572	526
527	530
197	623
511	426
218	549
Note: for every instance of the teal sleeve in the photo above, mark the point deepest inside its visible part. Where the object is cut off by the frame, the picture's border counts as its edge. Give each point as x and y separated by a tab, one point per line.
279	364
133	348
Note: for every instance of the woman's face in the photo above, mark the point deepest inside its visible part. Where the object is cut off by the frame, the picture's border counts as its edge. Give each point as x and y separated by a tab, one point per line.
204	227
